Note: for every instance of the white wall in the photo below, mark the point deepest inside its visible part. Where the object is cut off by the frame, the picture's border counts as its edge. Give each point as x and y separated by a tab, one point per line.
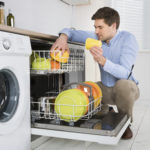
46	16
146	24
142	73
82	14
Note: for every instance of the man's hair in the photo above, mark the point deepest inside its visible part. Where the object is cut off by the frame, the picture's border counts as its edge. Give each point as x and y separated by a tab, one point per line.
109	15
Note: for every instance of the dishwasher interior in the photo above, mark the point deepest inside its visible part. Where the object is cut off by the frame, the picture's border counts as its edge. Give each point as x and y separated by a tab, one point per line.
48	79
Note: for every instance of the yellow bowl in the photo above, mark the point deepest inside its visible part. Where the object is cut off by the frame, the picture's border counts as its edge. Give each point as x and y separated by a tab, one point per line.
41	64
89	43
63	58
71	105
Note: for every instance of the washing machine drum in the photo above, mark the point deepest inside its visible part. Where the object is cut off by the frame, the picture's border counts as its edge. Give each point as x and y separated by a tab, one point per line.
3	91
9	95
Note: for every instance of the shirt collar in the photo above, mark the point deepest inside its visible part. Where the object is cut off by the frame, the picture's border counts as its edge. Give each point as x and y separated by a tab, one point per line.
113	39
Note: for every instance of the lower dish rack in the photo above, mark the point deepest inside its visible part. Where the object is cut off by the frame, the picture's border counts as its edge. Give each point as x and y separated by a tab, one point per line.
46	108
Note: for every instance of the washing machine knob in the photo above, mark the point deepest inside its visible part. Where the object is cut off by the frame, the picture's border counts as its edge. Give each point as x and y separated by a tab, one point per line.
6	44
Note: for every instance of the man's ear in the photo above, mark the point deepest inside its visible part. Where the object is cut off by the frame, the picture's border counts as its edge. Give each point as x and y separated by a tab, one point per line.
114	25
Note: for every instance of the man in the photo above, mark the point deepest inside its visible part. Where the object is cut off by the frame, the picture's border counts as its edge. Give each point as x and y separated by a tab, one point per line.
116	58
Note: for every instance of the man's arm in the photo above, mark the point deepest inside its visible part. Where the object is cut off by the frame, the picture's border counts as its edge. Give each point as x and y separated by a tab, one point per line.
71	35
78	35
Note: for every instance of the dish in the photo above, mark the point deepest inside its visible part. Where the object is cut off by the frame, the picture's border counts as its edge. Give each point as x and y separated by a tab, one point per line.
96	92
89	43
71	105
33	56
55	65
41	64
63	58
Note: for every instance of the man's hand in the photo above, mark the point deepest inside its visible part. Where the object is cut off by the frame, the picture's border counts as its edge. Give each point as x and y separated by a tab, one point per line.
97	53
61	44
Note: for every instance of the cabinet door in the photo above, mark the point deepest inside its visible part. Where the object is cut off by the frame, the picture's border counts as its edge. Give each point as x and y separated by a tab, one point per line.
92	72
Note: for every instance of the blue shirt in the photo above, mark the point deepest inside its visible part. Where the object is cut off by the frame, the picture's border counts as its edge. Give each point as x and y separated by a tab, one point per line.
120	54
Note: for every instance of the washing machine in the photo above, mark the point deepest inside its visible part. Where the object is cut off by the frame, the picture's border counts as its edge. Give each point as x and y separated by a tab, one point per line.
15	50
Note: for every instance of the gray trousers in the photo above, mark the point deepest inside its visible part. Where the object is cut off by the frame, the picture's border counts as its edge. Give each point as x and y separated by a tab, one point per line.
123	94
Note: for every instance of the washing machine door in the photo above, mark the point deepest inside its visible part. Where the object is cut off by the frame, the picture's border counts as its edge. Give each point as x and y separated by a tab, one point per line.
9	95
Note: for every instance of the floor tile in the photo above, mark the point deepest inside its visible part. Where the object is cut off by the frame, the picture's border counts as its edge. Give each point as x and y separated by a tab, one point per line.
142	140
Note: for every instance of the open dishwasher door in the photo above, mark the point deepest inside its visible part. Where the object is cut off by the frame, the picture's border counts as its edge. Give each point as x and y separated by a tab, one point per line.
103	129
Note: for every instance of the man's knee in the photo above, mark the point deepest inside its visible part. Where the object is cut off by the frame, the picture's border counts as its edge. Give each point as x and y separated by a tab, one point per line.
126	89
125	93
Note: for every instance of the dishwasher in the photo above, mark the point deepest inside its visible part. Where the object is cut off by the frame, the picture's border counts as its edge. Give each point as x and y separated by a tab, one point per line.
49	80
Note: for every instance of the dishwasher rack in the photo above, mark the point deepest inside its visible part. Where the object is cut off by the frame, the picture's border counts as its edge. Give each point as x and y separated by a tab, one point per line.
42	63
44	108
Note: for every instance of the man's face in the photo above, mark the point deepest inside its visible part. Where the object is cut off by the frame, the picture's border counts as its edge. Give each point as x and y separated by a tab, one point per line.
104	31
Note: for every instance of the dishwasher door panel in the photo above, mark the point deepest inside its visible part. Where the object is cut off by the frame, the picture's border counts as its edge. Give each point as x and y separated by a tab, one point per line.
113	126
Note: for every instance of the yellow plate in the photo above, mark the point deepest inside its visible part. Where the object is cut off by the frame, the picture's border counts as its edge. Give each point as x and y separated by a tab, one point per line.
71	105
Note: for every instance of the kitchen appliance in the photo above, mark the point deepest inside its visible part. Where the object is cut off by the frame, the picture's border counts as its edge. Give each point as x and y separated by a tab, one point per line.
14	92
47	83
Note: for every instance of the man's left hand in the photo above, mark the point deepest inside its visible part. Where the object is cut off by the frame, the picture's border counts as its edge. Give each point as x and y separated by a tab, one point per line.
97	53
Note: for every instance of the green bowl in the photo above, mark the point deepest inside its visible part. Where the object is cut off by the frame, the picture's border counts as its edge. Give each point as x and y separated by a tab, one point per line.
41	64
33	56
71	105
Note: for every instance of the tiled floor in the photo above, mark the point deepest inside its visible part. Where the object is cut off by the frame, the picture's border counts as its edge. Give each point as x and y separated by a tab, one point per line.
140	140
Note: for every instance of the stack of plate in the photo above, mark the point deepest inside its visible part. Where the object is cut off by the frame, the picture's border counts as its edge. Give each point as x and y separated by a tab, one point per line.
71	105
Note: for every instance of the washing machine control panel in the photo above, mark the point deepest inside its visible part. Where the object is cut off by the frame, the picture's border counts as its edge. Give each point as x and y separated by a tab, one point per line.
15	44
6	44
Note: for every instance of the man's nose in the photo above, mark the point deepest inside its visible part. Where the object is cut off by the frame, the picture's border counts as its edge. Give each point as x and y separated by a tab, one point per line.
96	30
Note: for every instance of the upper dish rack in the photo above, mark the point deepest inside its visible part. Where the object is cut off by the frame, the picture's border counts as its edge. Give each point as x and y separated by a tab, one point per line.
42	62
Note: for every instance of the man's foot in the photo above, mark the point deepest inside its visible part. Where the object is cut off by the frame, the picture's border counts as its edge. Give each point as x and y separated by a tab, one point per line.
127	134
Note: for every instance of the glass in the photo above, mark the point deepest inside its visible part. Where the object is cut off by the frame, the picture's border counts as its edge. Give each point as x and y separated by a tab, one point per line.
2	13
10	19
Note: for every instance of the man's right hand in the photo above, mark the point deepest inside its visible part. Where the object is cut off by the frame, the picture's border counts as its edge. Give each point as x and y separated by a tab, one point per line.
61	43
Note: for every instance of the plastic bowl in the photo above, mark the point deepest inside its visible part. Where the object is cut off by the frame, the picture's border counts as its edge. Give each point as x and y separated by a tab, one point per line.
55	65
41	64
89	43
59	57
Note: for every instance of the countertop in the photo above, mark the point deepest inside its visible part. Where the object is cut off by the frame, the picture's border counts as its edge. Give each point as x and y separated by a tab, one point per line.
32	34
29	33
